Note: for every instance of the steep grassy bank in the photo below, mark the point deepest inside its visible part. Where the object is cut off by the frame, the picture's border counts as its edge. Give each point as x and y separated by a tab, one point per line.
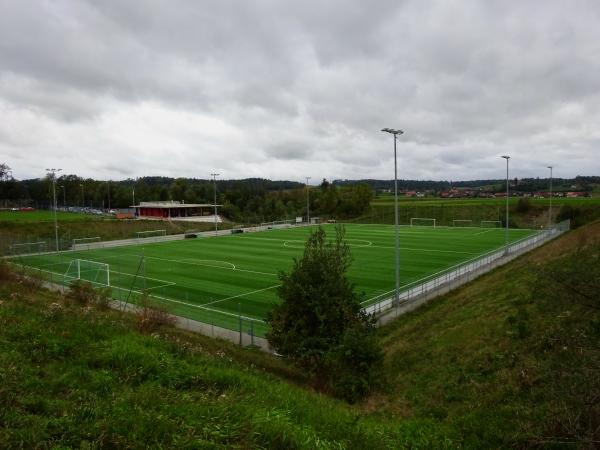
73	376
510	359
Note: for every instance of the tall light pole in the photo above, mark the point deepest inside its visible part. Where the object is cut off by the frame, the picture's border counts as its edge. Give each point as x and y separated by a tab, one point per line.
307	201
52	174
82	196
506	228
108	191
550	211
396	133
215	175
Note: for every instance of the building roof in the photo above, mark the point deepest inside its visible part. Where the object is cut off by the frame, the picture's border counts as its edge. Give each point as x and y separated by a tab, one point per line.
171	205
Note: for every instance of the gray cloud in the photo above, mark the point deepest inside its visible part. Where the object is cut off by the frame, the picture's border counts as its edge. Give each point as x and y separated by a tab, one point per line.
284	89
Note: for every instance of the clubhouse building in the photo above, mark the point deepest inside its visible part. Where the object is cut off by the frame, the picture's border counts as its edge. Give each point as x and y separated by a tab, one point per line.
175	210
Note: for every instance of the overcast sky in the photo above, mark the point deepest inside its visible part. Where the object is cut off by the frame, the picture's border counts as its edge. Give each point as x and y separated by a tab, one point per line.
287	89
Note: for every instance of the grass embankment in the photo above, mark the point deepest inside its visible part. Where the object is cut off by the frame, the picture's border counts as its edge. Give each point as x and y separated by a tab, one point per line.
510	359
73	376
107	228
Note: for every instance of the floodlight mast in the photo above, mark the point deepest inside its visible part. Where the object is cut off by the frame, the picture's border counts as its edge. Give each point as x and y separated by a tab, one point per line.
307	201
550	211
507	193
215	175
396	133
52	174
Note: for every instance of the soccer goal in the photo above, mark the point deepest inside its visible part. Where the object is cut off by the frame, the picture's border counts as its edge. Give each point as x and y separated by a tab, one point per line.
92	271
151	233
491	224
28	247
85	240
422	222
462	223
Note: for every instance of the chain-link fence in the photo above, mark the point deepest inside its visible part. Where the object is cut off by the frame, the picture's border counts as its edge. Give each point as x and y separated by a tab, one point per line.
413	291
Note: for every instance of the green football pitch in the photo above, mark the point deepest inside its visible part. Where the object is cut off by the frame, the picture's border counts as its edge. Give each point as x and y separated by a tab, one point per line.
217	280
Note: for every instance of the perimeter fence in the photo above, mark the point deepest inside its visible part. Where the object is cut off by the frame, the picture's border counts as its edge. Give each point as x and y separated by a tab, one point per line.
456	275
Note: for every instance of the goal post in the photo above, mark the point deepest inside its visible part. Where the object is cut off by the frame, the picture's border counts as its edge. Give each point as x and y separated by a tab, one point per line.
463	223
422	222
150	233
85	240
491	224
28	247
95	272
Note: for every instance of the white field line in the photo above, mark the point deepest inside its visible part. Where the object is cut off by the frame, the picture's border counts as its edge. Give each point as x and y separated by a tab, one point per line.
483	232
182	261
241	295
166	283
426	250
193	305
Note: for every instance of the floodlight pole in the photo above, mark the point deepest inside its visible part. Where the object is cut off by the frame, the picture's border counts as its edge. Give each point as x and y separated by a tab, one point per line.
215	175
307	201
108	190
550	211
52	174
82	197
397	227
506	228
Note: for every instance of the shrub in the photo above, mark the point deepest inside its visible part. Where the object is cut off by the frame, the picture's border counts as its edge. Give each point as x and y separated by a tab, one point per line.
81	293
320	323
523	205
151	317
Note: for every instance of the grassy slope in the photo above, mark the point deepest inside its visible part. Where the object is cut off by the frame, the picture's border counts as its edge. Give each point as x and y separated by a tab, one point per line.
81	377
491	358
72	225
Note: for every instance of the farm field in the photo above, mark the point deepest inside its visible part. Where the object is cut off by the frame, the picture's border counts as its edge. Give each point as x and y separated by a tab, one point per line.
217	280
388	200
38	216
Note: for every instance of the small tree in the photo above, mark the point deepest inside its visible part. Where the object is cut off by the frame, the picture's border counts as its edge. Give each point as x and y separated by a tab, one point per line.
320	322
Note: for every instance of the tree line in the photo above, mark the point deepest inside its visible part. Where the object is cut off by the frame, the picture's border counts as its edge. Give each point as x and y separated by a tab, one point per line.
249	200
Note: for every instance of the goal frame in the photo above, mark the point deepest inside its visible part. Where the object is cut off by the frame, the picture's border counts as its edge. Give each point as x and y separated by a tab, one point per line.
85	240
42	246
78	262
138	234
422	218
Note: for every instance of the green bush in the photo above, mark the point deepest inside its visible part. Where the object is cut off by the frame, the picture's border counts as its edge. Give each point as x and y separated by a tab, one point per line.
320	323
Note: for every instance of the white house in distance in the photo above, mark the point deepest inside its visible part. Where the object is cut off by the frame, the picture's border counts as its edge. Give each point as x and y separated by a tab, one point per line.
176	210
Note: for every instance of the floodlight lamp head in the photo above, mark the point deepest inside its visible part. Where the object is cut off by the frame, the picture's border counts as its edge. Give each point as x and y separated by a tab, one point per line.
506	157
392	131
549	167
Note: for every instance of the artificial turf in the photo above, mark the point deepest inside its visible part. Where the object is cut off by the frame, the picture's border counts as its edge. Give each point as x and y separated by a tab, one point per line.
217	280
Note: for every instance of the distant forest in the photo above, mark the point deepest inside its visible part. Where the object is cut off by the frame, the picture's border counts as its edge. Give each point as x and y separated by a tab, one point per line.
248	200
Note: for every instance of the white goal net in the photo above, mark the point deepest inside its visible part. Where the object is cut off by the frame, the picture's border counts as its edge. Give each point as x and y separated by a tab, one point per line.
151	233
422	222
94	272
28	247
85	240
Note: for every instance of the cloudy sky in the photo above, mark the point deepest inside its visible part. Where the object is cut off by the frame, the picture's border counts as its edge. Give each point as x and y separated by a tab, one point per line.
287	89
